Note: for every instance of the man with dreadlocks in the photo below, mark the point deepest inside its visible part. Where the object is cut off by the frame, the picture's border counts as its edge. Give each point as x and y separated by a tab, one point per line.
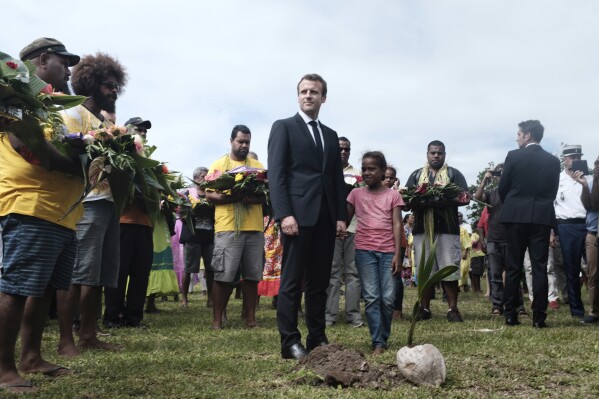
101	78
446	226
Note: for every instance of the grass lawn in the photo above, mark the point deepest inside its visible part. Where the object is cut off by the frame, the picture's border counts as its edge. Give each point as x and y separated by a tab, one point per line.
179	356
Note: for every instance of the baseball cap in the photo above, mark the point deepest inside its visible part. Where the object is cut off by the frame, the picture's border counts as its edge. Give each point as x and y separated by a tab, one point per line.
50	46
137	121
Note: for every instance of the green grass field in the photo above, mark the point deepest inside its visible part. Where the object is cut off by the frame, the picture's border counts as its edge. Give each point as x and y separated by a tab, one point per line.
179	356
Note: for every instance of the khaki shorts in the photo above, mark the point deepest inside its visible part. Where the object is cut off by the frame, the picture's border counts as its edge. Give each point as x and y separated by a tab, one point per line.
244	253
448	252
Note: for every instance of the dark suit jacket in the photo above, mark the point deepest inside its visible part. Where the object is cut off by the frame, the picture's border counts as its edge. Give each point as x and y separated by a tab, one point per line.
528	186
295	179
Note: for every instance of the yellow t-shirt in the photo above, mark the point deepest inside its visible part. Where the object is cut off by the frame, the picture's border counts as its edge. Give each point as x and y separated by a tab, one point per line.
224	215
31	190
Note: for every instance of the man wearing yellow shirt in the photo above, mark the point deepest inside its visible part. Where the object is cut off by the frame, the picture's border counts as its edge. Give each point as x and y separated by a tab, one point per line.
236	252
39	243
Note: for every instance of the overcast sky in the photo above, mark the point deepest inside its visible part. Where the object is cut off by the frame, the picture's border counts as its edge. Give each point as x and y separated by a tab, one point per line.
400	73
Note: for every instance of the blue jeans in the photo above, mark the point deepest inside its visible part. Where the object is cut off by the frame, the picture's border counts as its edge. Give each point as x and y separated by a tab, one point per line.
572	240
378	290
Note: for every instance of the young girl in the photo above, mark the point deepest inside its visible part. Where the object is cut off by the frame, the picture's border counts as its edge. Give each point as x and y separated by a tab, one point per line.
378	245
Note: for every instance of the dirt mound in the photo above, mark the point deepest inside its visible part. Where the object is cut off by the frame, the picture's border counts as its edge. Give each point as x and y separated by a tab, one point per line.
336	365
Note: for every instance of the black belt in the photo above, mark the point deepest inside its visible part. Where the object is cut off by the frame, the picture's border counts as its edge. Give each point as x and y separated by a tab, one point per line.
571	221
594	233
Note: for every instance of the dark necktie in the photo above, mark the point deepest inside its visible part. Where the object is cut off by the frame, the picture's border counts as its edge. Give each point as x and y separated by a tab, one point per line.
319	150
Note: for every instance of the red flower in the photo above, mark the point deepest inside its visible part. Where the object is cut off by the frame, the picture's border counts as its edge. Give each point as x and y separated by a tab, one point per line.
48	89
164	169
422	188
12	65
359	179
261	176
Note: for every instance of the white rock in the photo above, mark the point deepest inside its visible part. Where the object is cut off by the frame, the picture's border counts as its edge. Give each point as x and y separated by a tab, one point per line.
422	365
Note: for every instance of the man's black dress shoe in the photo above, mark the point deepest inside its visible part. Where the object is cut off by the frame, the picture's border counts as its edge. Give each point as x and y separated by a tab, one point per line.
539	324
113	324
512	321
312	344
295	351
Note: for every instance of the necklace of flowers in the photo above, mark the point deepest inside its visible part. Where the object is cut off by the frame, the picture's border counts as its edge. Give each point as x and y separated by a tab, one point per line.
239	208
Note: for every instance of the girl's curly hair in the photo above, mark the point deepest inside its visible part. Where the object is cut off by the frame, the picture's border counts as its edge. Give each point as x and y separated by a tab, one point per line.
93	70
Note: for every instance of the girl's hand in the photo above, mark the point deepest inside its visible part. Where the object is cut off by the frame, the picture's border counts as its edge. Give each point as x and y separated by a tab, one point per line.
396	265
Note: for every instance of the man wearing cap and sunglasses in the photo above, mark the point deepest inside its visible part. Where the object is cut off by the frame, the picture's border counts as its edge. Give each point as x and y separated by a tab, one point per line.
571	217
39	245
141	126
124	303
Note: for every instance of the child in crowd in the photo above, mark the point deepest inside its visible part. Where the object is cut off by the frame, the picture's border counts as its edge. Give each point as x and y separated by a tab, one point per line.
378	245
477	262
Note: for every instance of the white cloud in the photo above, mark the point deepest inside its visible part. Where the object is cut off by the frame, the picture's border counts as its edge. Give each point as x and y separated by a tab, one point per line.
400	73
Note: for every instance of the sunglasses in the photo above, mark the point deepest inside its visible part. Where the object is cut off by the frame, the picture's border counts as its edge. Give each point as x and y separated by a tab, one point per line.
344	149
110	85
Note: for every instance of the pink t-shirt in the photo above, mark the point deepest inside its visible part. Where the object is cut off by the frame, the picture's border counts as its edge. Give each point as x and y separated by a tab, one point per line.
375	218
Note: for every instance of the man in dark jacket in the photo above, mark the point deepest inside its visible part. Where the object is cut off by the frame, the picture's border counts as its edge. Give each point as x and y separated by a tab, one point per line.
527	189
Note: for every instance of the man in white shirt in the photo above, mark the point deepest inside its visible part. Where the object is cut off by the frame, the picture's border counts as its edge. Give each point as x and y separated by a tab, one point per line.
571	223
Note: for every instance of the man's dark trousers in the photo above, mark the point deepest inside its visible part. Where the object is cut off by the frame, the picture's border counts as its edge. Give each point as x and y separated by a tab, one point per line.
307	257
535	237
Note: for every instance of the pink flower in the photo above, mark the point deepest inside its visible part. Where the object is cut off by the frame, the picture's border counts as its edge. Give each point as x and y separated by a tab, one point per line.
422	188
213	176
139	144
48	89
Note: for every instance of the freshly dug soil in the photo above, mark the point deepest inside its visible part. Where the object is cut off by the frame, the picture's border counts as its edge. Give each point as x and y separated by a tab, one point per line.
336	365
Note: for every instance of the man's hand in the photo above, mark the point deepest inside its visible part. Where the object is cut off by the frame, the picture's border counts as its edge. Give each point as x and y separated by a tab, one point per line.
553	241
465	254
289	226
341	229
579	177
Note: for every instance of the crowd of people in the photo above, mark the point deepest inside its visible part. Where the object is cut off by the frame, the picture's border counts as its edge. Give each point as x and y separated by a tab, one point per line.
326	227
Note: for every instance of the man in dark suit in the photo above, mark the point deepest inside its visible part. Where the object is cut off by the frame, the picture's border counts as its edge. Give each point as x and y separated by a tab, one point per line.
527	189
307	196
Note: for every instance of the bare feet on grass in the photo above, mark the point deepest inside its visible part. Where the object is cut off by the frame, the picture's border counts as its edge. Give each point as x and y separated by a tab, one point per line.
67	349
12	382
46	368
